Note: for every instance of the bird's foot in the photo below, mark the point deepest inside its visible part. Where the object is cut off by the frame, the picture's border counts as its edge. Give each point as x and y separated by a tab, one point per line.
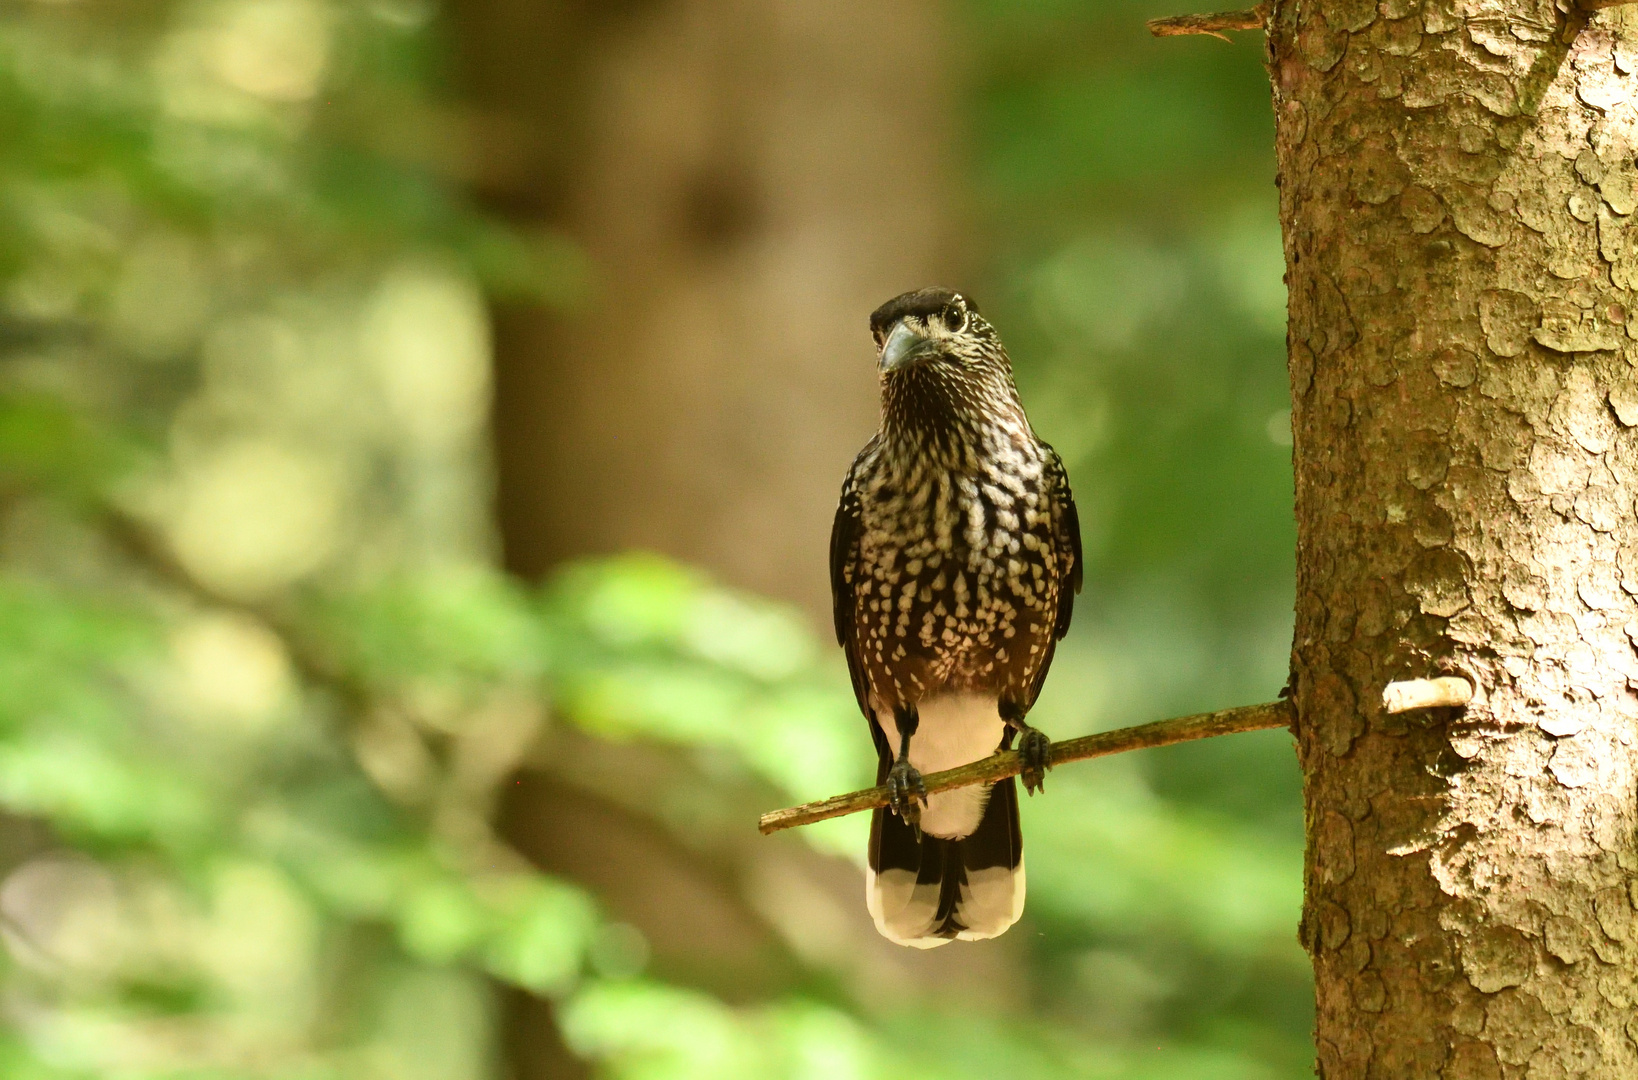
906	794
1035	749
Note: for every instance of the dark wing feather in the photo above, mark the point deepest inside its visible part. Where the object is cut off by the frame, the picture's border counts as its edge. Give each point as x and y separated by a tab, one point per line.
1069	540
844	561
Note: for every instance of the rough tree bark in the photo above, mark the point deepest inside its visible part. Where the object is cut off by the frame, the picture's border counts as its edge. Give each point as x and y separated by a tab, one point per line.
1457	186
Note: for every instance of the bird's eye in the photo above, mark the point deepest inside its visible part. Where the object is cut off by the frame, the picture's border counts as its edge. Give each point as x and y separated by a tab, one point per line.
955	319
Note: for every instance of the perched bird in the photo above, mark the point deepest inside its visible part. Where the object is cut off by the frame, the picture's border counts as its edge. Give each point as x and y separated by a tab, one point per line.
954	563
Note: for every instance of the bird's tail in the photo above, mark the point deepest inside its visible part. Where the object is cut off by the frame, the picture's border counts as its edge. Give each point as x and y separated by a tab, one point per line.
926	891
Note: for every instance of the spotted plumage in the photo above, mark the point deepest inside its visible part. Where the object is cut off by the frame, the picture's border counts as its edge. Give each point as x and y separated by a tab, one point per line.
955	559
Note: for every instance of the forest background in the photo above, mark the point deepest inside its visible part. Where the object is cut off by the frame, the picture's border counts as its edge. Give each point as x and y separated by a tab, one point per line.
419	428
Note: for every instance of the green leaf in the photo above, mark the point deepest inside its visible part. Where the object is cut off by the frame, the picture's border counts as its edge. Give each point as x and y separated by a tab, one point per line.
543	931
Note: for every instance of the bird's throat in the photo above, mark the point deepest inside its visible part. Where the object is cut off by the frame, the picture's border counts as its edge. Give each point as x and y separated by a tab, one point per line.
951	423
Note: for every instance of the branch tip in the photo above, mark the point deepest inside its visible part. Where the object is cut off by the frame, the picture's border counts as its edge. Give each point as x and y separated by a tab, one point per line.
1212	24
1444	692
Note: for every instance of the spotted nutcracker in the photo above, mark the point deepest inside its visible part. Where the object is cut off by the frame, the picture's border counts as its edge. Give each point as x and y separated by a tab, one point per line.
954	563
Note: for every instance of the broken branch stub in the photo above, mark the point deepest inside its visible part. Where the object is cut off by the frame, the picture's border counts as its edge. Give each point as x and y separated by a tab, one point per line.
1445	692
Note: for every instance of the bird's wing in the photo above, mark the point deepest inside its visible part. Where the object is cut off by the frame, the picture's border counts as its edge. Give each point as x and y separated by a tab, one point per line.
1068	525
1067	543
844	560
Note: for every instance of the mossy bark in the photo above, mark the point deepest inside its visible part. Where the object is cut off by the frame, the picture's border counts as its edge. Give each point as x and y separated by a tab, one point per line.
1458	195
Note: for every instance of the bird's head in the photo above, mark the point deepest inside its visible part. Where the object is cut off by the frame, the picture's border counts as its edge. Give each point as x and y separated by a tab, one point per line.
932	326
941	363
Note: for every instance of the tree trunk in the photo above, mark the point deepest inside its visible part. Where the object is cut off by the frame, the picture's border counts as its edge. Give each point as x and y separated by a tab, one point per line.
1455	189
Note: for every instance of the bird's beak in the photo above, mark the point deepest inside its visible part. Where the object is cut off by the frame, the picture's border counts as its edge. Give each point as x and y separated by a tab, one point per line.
903	348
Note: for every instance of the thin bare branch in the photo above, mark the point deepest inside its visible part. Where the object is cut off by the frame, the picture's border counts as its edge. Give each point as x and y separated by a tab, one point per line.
1450	690
1001	765
1214	24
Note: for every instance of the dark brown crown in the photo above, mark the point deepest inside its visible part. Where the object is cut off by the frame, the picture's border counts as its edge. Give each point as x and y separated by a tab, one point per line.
923	302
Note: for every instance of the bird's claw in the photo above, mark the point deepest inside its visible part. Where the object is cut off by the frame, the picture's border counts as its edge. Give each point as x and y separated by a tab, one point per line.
1035	750
906	794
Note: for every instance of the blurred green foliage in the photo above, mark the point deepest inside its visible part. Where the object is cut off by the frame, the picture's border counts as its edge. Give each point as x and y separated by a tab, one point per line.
260	680
258	677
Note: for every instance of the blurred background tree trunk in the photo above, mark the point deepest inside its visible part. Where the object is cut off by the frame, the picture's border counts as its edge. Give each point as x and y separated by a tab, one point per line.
747	182
1455	195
